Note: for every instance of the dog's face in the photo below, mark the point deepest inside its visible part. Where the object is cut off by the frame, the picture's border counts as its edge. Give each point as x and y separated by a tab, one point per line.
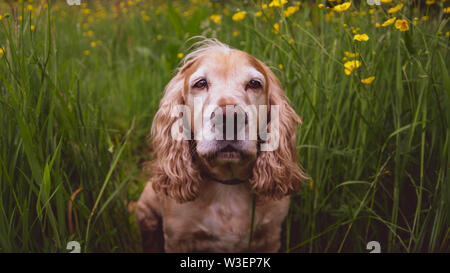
224	91
235	108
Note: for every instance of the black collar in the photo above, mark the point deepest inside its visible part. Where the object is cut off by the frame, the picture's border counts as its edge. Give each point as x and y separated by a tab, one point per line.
227	182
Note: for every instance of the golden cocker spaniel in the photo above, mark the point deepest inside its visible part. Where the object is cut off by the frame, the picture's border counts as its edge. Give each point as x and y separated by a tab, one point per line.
227	175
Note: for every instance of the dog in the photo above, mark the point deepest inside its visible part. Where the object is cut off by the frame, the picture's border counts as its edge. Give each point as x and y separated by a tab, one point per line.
213	191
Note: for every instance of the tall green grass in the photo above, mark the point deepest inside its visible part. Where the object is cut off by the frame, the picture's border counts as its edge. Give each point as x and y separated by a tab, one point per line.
76	122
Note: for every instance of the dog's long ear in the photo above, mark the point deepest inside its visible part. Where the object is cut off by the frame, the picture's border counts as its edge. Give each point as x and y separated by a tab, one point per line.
278	173
173	171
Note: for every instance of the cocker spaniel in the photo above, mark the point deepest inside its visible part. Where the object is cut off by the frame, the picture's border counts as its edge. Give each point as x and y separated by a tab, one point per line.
220	183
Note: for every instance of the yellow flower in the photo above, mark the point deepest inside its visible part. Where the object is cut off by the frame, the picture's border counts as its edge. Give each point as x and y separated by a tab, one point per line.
86	52
389	22
350	66
351	55
264	6
425	18
235	33
90	33
93	44
32	27
308	23
320	6
239	16
447	10
86	11
342	7
361	37
258	14
280	66
377	25
1	17
159	37
276	28
386	1
447	34
402	25
180	55
396	8
29	7
2	50
290	10
368	80
216	18
277	3
429	2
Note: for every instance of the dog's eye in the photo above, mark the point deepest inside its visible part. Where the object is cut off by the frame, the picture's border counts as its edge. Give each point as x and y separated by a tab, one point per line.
200	84
253	84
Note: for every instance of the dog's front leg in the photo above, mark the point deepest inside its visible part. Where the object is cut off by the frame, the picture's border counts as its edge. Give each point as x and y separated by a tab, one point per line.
150	222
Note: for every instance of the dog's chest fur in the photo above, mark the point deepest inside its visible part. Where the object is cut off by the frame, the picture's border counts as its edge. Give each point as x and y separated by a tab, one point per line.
220	221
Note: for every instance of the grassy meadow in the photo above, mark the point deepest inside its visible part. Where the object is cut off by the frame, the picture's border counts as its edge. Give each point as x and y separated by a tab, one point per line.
79	86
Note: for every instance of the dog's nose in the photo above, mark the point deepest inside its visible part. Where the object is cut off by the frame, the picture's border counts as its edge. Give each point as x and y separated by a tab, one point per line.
234	120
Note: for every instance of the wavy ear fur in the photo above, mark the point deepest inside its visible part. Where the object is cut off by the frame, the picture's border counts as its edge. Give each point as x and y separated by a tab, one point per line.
173	171
278	173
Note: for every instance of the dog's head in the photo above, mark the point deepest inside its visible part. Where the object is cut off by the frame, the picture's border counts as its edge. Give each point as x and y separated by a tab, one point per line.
224	116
